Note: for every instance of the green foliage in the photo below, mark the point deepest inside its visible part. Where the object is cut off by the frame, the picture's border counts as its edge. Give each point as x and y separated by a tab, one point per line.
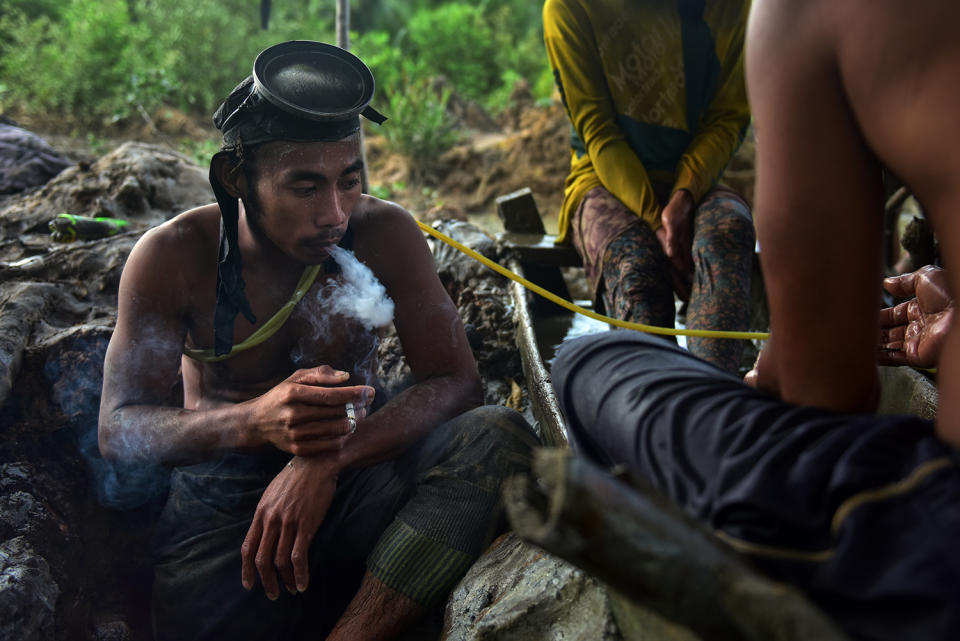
32	8
387	62
91	64
455	41
199	151
386	192
420	126
210	46
94	62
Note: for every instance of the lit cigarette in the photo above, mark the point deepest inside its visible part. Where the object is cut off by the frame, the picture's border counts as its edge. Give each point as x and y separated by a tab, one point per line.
352	417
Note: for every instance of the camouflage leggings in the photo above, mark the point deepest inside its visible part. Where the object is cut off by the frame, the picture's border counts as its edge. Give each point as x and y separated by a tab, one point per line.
634	283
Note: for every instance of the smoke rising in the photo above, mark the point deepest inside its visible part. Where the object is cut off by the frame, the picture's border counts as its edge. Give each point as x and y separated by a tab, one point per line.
359	295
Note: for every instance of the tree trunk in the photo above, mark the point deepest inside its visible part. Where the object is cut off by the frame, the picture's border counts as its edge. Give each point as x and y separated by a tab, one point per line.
264	14
343	24
343	41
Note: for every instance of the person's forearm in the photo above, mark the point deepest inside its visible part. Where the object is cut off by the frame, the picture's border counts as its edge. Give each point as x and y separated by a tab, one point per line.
171	435
407	418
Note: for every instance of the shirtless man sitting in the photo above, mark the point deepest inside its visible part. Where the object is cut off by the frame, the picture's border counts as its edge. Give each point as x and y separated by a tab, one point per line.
861	511
838	90
357	516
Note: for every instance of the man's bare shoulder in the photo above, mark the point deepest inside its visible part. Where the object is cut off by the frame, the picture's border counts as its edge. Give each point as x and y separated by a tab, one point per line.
389	241
171	259
184	236
380	223
371	210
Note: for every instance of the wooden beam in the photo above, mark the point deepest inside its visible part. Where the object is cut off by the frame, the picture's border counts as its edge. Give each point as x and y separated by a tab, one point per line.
647	549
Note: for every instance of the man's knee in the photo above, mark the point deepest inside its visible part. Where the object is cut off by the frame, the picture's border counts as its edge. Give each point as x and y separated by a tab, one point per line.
725	221
504	427
493	440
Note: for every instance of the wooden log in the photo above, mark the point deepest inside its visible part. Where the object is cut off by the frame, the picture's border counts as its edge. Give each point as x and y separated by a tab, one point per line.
543	399
647	549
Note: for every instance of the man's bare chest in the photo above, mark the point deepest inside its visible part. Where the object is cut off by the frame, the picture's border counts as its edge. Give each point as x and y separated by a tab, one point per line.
315	333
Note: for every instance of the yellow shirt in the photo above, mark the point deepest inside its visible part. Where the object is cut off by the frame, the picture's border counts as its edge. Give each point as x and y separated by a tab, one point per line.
652	95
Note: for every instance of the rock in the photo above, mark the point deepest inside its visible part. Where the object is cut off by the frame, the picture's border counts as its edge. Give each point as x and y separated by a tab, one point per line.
517	592
143	183
28	593
904	390
481	296
21	306
26	160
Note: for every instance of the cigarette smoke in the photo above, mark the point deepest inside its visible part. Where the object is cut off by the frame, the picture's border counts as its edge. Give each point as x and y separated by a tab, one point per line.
359	295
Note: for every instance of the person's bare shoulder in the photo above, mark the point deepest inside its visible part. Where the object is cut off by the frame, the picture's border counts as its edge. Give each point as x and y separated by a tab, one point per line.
170	260
371	209
389	241
383	230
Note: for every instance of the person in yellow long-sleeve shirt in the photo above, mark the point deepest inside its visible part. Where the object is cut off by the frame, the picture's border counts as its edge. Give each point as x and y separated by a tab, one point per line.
655	95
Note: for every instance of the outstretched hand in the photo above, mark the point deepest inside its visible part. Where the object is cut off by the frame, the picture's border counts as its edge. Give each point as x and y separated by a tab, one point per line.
676	238
304	415
912	333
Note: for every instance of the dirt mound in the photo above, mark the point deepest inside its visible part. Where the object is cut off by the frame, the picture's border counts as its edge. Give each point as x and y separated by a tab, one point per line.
531	149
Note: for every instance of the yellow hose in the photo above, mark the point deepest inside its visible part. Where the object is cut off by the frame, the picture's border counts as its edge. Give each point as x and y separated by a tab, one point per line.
650	329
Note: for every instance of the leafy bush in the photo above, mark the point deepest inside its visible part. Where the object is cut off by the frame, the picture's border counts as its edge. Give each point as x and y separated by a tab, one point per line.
92	64
387	62
419	125
455	41
95	62
211	46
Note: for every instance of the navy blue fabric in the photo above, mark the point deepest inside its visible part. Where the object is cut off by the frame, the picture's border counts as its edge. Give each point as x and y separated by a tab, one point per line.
771	474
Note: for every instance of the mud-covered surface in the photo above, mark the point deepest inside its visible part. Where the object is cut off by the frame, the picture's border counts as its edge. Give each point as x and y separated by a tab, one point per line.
71	568
26	160
143	184
528	145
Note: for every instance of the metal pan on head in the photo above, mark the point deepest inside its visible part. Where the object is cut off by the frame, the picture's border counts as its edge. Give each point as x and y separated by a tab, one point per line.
313	80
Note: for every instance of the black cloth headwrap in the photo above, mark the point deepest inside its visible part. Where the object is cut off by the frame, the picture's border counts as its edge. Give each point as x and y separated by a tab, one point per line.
251	115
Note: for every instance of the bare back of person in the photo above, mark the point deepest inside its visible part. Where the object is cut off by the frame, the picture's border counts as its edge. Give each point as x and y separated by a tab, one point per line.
839	90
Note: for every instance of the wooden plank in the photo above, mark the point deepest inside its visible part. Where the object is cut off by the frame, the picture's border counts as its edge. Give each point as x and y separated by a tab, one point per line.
543	400
518	212
539	249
